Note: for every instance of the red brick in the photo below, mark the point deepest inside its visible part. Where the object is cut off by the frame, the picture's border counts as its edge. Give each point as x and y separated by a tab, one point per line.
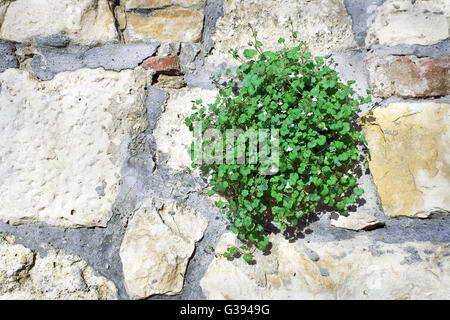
163	65
409	76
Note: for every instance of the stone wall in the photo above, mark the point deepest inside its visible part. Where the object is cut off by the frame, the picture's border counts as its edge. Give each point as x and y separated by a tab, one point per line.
96	198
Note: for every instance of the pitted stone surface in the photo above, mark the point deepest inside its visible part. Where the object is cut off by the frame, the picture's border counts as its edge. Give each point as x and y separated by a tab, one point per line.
156	248
63	144
409	76
161	20
25	275
87	22
409	146
355	221
346	270
172	136
324	25
420	22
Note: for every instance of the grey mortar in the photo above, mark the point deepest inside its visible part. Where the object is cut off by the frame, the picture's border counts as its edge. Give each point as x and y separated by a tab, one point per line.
213	10
57	40
49	61
7	56
361	12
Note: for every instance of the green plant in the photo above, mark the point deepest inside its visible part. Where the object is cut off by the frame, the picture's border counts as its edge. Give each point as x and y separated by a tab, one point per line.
316	115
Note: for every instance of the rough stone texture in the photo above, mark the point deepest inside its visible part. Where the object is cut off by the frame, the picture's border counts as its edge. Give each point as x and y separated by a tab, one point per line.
410	22
172	136
50	61
409	76
164	65
170	82
409	146
3	7
63	144
345	270
7	57
355	221
156	248
161	20
25	275
323	25
157	4
84	21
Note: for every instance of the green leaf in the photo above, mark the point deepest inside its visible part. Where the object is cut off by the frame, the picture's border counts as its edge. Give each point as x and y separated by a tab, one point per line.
250	53
248	257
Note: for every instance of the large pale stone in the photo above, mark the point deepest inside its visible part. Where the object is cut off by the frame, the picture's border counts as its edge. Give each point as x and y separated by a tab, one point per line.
63	143
25	275
409	145
409	76
356	268
355	221
172	136
169	21
157	246
84	21
323	25
421	22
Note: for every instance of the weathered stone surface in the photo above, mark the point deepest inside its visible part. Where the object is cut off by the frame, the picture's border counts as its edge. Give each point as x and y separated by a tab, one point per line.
25	275
156	248
355	221
170	82
84	21
3	7
323	25
157	4
164	65
7	57
172	136
346	270
409	146
410	22
409	76
63	144
173	20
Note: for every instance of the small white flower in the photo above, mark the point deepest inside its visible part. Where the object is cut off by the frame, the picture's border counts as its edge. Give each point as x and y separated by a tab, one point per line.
288	186
318	172
292	75
283	111
260	104
314	99
280	103
289	149
231	172
309	114
264	112
291	126
325	128
303	112
300	75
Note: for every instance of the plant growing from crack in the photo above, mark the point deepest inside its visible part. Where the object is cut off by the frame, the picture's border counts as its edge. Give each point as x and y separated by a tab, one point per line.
315	112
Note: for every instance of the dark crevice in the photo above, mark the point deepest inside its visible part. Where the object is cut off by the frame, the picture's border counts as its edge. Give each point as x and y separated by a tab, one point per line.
112	6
